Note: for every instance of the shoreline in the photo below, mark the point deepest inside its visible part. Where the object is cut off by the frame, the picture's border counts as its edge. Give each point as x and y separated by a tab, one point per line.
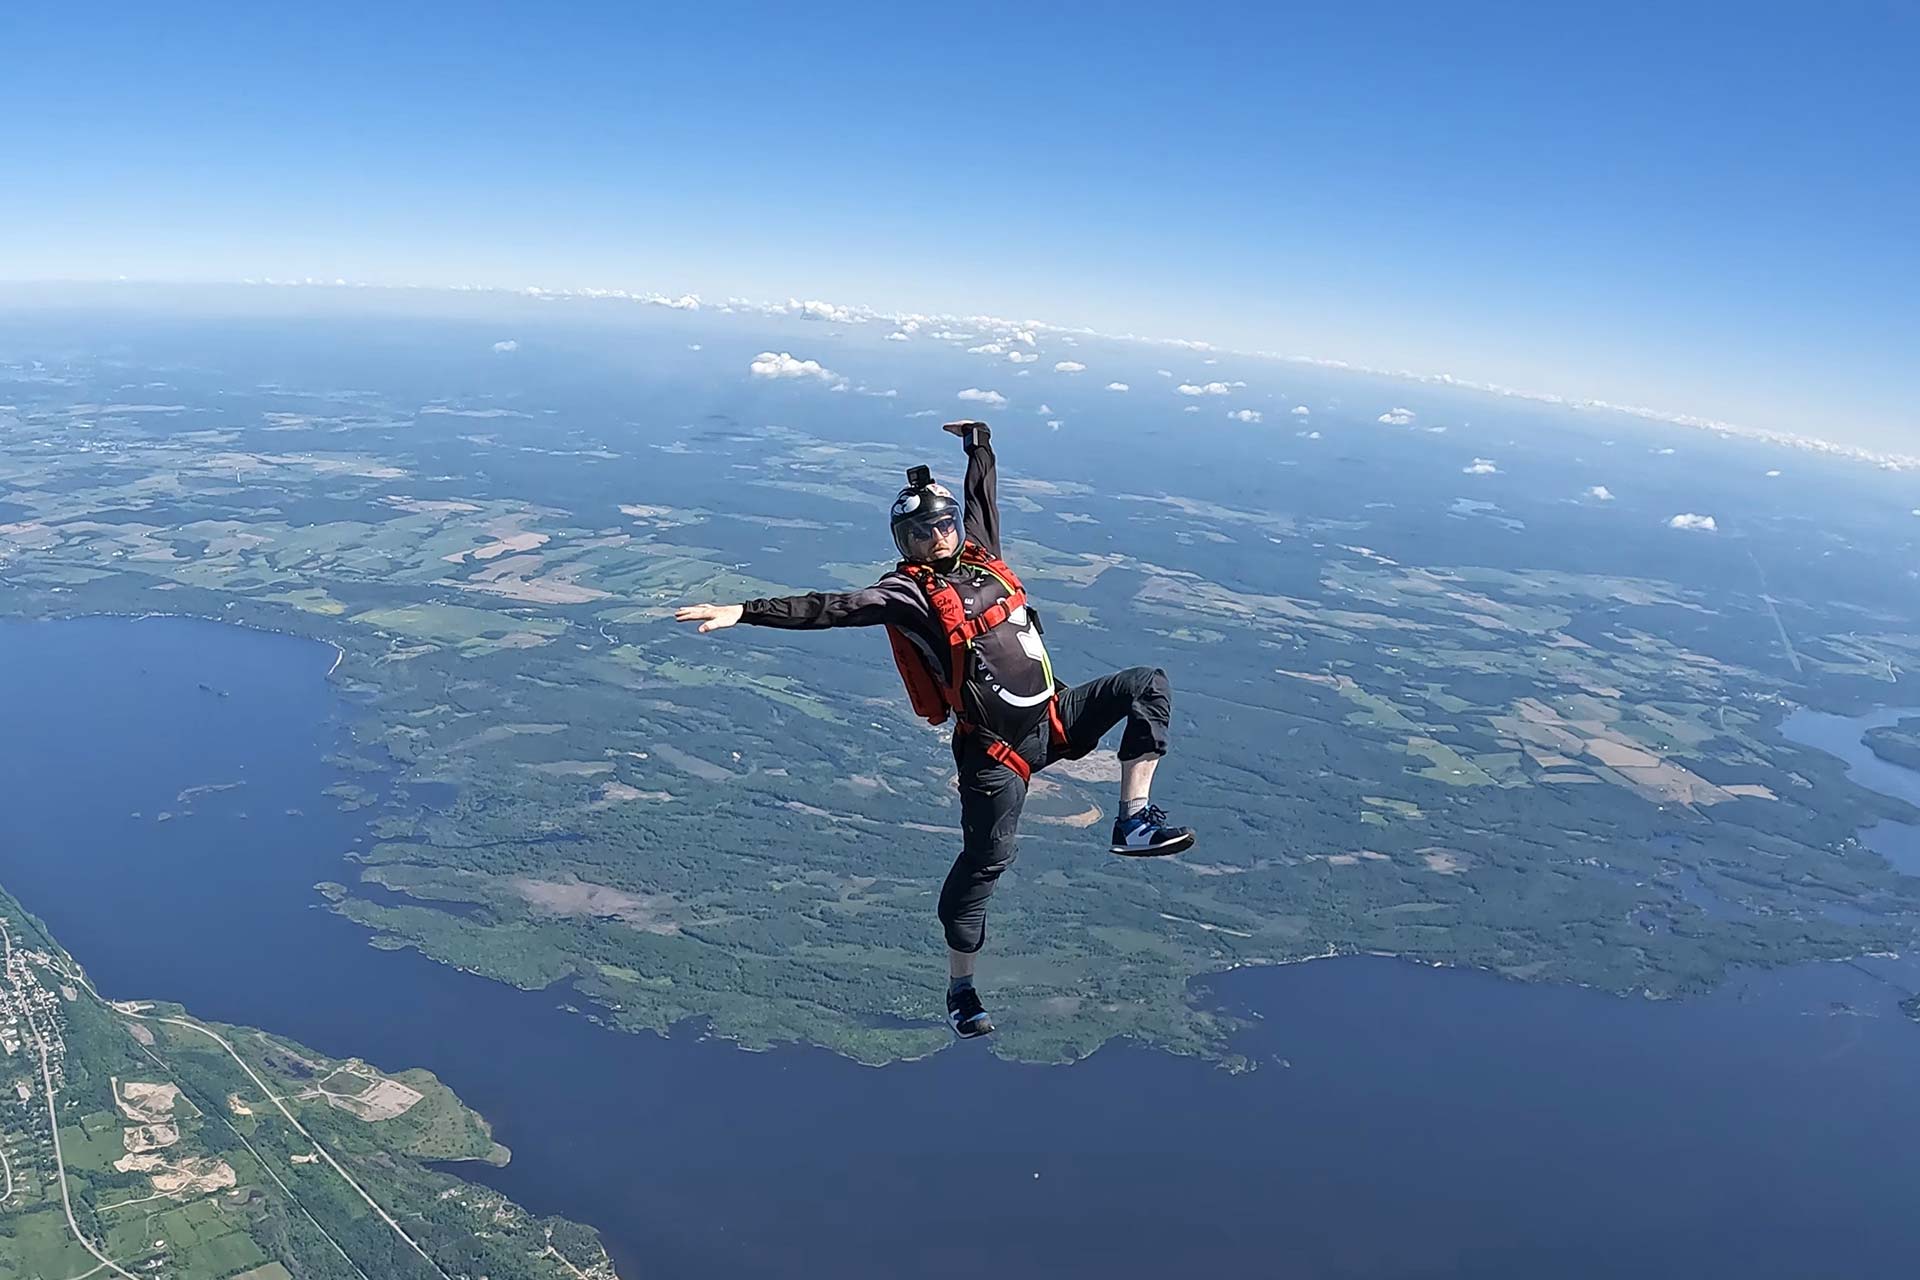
339	651
1332	951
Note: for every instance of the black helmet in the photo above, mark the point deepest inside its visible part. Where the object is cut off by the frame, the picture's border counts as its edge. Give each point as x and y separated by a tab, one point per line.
919	510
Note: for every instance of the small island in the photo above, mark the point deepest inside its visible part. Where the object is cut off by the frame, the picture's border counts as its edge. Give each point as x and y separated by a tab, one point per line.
1897	743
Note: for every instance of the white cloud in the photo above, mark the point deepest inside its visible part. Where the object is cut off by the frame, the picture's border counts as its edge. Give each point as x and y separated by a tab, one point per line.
1044	410
685	302
1117	386
1703	524
1308	435
1481	467
1396	417
814	310
693	346
899	335
1054	424
1022	357
1916	511
1301	411
925	413
1069	366
1192	408
1600	493
988	349
1209	389
1436	431
992	399
1664	453
1245	415
1772	474
1024	335
1165	373
511	344
769	364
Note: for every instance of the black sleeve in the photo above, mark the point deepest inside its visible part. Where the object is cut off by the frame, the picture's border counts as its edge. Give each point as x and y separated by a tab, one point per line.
892	600
982	497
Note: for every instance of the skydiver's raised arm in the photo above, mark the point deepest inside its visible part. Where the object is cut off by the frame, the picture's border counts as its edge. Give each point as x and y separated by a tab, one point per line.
981	494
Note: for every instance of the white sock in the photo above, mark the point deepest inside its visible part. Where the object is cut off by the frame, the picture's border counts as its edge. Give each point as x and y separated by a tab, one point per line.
1130	807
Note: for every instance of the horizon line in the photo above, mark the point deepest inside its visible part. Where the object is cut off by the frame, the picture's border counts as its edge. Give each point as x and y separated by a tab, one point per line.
858	313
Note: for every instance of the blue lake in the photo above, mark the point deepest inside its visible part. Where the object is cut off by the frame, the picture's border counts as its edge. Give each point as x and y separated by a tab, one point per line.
1404	1122
1845	737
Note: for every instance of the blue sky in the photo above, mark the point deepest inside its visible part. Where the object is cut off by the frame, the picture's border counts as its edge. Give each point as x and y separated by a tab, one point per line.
1706	209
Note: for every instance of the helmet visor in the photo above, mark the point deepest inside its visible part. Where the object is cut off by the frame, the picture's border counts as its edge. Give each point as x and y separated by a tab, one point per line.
918	535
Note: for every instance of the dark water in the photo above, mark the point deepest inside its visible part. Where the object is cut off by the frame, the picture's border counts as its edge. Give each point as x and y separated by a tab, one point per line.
1405	1121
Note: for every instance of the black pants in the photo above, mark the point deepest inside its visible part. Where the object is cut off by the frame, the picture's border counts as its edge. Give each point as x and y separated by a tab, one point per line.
991	795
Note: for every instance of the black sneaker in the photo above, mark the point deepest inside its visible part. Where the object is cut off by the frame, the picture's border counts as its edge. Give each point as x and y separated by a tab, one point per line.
1147	835
965	1013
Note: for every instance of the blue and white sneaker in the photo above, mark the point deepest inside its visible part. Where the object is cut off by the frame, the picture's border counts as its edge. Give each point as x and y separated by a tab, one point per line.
966	1014
1147	835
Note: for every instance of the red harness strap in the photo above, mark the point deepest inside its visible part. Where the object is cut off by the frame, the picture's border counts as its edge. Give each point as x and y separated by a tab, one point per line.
998	749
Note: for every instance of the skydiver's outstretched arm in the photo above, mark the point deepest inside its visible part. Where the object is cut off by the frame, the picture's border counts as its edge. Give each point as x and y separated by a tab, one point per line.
981	496
892	600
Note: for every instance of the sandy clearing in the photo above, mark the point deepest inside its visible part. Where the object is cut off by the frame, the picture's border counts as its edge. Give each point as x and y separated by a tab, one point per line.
612	793
1444	862
194	1176
385	1099
578	768
1085	818
1099	766
146	1103
647	912
149	1137
1757	790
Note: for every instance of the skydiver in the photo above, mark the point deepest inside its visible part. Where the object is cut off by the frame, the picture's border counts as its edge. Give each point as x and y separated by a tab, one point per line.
968	644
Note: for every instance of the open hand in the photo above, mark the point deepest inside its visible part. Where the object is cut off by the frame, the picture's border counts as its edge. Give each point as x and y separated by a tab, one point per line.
711	617
959	428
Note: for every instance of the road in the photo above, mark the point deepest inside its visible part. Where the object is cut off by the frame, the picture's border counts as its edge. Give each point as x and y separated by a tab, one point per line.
127	1009
53	1118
